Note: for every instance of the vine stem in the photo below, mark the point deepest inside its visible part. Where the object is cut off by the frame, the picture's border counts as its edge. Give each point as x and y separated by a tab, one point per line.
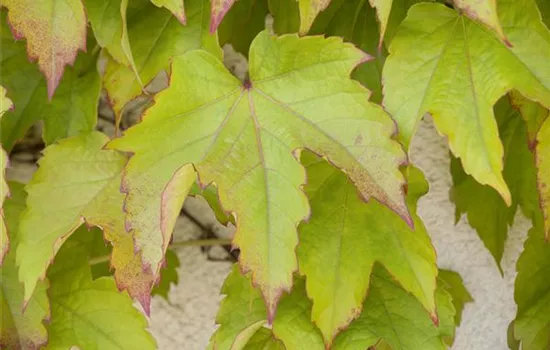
176	245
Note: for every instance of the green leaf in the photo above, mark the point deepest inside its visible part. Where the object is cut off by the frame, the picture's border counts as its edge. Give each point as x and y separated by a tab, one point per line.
532	291
243	22
450	78
156	37
19	330
343	228
210	195
487	213
452	282
5	105
533	114
484	11
263	339
65	25
286	16
108	20
168	275
542	152
219	9
78	182
295	99
309	9
175	6
91	314
395	316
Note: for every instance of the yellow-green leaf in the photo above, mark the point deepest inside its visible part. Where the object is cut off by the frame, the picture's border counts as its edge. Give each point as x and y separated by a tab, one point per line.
55	31
309	9
21	324
458	71
542	152
243	137
219	10
5	105
154	45
343	228
175	6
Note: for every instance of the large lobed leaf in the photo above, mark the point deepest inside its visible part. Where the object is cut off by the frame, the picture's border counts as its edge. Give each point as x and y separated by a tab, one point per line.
345	237
389	314
457	73
78	182
242	137
21	323
55	31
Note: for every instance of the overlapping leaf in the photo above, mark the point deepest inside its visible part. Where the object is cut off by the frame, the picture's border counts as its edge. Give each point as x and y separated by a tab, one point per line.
175	6
156	36
5	105
19	330
345	237
90	314
487	212
389	313
73	108
55	31
453	284
458	72
533	114
78	182
242	138
543	172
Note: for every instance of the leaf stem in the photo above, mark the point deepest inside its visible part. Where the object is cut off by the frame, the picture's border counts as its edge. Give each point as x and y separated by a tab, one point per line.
175	245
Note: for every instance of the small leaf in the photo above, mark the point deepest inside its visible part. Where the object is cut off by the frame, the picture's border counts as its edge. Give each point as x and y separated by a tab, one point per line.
5	105
295	100
487	213
154	45
309	9
452	282
91	314
55	31
450	78
242	23
484	11
20	330
168	275
542	152
341	229
175	6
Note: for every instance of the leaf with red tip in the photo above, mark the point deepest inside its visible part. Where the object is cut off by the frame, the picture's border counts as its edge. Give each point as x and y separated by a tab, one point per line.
21	324
219	10
341	229
300	96
55	30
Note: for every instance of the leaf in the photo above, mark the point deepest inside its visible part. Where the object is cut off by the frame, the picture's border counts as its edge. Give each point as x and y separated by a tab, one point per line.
542	152
284	108
219	9
395	316
533	114
309	9
487	213
341	229
5	105
531	291
383	10
168	275
243	22
452	283
450	78
91	314
263	339
78	182
210	195
18	330
108	20
55	31
156	37
175	6
484	11
286	16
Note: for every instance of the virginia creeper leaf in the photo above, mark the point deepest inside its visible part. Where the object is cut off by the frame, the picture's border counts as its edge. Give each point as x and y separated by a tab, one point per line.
91	314
487	213
19	330
294	100
342	227
531	293
78	182
243	22
309	9
533	114
219	9
108	20
5	105
168	275
263	339
154	45
55	31
542	152
452	282
175	6
458	72
484	11
395	316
